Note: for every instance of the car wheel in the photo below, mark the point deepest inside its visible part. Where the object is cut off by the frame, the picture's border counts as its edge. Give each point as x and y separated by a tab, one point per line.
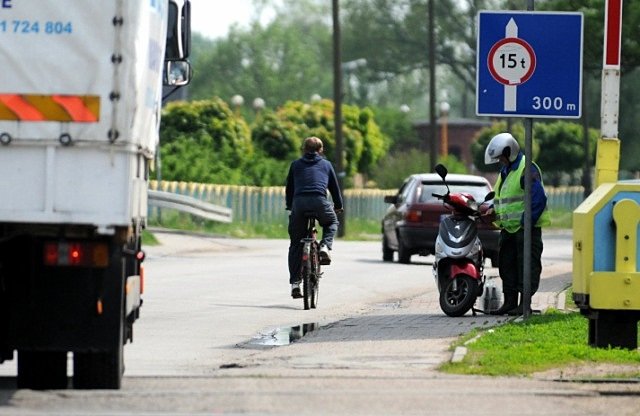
404	255
387	253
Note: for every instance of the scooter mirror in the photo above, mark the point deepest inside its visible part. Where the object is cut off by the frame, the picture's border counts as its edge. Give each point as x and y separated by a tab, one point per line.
489	196
441	170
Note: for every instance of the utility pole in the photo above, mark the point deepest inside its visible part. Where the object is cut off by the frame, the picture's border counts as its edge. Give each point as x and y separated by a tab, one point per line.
337	107
433	129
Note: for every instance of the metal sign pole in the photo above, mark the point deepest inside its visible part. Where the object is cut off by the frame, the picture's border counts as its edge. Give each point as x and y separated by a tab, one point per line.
528	154
526	275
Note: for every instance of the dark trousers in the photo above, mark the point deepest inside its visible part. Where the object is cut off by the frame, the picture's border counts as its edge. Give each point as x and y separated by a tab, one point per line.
327	218
511	260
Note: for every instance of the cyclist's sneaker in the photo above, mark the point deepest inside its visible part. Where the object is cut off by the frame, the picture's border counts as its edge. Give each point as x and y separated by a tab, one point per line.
296	293
325	257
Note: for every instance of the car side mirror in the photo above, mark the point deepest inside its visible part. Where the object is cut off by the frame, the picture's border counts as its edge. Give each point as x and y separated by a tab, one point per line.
391	199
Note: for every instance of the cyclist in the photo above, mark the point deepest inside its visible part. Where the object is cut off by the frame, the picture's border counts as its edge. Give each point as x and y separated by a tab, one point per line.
308	180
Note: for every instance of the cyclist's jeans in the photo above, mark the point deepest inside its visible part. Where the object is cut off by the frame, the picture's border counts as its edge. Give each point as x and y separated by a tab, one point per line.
298	228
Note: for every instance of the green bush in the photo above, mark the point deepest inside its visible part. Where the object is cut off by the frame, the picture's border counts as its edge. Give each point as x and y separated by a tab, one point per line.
204	141
394	168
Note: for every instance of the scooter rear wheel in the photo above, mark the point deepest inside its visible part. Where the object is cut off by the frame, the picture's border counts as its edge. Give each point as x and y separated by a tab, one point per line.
458	295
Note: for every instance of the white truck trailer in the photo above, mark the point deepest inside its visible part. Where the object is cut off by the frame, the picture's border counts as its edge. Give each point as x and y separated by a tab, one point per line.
80	101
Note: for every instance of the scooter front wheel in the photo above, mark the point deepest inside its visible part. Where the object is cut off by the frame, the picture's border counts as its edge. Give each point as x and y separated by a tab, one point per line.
458	295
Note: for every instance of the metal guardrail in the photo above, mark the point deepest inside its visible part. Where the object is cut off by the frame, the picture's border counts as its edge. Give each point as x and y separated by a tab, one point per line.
190	205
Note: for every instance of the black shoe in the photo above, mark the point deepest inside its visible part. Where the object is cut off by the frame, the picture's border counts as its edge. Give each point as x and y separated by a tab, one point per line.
519	311
296	293
510	303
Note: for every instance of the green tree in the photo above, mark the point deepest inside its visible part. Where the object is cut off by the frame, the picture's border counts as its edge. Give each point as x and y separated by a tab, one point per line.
291	57
563	149
593	11
230	134
204	141
393	37
286	60
275	137
395	124
281	134
557	147
394	168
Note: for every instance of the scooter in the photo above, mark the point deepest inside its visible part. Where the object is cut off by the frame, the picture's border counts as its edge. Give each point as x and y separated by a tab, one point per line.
459	259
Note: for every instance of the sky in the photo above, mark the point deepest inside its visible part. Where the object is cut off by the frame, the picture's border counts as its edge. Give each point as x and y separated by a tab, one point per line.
212	18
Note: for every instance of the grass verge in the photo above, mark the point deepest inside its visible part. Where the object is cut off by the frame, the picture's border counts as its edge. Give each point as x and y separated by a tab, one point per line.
561	218
148	239
543	342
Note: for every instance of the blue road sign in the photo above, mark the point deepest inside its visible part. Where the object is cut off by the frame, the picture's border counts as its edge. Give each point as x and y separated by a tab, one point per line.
529	64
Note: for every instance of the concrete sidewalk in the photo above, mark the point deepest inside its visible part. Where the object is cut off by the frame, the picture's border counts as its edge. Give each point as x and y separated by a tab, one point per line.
405	337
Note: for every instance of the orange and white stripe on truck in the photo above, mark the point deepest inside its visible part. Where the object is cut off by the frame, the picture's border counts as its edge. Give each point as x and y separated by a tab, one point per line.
35	107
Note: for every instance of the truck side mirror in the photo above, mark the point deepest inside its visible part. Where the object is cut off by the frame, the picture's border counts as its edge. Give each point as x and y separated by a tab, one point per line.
177	73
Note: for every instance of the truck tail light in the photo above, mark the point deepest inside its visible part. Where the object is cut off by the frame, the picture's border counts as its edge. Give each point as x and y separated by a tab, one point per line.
140	256
141	279
81	254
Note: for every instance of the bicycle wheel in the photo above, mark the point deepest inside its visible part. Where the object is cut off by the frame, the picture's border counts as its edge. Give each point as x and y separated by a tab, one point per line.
306	287
314	281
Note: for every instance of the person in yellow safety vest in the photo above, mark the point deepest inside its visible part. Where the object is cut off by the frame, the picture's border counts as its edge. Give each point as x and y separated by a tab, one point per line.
509	210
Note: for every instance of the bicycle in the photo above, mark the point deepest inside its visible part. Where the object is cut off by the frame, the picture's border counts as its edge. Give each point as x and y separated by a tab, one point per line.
310	271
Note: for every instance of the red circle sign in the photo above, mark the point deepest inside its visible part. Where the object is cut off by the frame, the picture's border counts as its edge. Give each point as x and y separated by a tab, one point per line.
511	61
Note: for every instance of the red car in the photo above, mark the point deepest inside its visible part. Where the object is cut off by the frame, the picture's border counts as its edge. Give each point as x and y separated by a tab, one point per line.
411	223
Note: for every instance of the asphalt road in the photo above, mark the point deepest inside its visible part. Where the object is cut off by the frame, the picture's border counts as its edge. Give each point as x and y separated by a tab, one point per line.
217	333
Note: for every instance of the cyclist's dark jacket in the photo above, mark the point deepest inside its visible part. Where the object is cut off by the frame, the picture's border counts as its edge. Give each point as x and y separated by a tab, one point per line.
311	175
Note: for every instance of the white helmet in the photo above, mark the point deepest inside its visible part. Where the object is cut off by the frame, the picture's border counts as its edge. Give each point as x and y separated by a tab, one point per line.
502	144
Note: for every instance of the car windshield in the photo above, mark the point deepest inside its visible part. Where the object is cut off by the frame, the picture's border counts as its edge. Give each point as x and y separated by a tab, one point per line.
478	190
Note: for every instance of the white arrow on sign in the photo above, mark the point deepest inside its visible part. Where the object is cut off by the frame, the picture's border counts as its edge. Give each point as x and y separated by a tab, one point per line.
511	62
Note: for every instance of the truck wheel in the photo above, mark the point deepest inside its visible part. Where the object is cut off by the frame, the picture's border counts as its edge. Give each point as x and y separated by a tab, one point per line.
98	370
42	370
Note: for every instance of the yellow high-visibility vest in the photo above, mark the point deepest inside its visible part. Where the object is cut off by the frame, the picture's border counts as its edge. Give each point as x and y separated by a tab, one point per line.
509	201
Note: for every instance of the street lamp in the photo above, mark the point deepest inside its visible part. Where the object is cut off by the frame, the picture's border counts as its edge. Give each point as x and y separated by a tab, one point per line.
444	138
237	101
353	65
405	108
316	98
349	68
258	104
